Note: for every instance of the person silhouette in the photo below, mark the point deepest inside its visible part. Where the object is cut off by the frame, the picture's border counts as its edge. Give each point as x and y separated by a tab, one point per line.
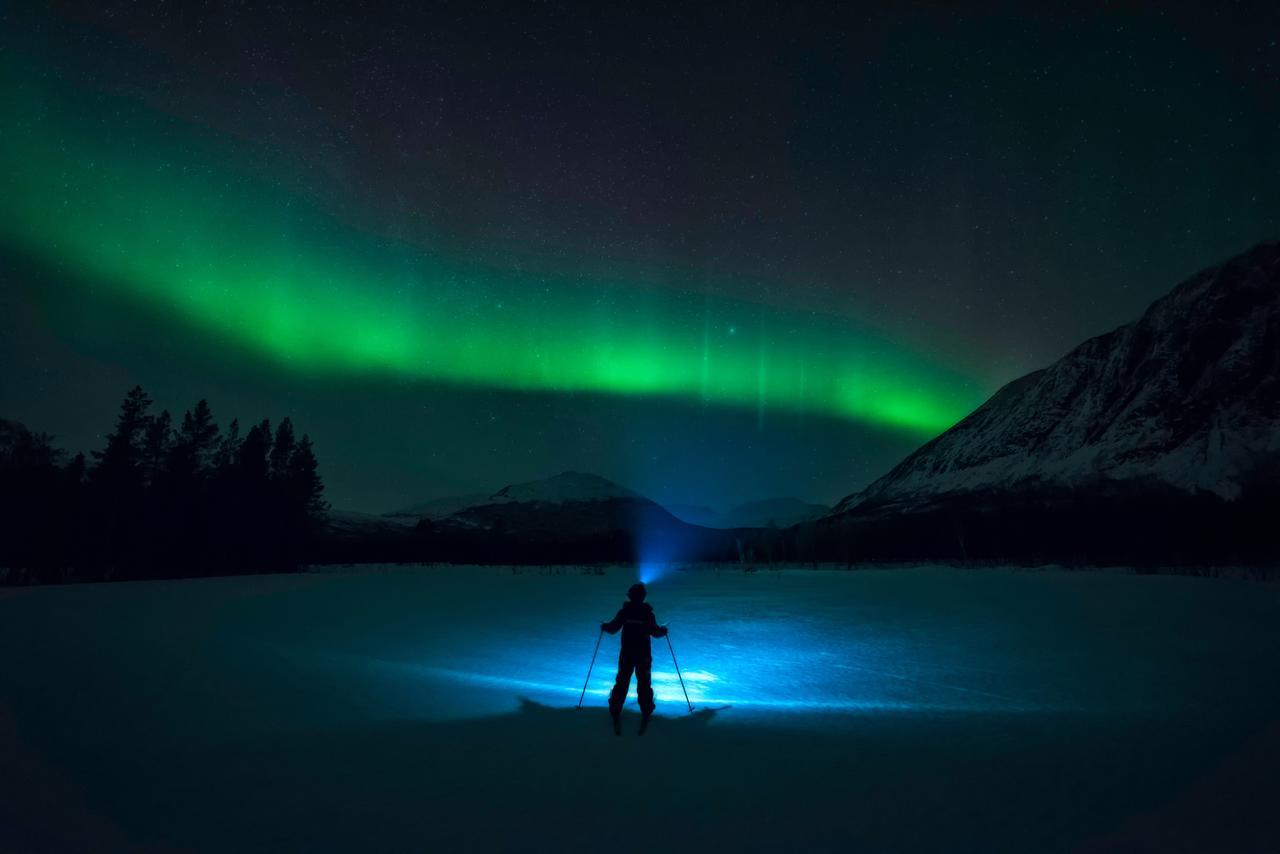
636	620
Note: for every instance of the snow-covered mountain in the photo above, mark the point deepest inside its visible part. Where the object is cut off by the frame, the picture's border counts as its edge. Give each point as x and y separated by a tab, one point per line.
566	487
528	501
1186	397
569	486
569	517
569	503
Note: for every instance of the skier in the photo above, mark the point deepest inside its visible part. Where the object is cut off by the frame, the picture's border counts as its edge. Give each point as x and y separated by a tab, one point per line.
636	620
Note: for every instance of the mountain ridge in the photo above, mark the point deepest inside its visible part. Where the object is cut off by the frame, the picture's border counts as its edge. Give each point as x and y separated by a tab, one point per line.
1188	394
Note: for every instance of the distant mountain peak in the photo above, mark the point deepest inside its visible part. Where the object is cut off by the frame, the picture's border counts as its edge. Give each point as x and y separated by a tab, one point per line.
1188	395
569	486
763	513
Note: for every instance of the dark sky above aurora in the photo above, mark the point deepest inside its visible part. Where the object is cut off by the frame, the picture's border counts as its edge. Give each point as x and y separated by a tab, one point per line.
714	256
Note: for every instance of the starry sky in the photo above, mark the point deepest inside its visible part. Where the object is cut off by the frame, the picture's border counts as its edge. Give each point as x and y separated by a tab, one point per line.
717	255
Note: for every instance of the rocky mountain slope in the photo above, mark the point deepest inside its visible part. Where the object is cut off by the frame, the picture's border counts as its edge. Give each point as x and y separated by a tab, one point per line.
1187	397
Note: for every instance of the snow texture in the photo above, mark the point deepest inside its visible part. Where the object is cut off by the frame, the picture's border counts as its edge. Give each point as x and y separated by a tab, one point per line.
433	709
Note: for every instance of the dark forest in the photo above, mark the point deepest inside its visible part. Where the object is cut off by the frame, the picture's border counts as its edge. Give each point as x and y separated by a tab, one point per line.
159	500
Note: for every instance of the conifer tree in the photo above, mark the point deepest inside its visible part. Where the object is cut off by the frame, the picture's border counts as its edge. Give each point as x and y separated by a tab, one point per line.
197	439
282	450
253	458
228	446
157	440
305	486
121	457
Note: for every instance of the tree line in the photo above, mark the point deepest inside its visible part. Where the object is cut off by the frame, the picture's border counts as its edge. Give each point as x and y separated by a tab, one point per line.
159	500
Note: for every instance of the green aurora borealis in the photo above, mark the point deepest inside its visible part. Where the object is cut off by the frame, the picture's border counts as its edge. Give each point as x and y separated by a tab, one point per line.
715	253
153	209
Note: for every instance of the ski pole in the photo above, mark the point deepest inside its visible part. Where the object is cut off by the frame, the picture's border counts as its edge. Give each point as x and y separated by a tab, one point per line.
599	638
681	678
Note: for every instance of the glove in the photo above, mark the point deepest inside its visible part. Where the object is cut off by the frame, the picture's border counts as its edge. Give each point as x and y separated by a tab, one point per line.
604	627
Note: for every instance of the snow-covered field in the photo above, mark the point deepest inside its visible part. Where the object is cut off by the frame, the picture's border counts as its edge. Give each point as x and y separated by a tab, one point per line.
418	708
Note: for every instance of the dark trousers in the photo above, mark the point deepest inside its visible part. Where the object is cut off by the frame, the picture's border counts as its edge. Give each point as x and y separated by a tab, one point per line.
643	667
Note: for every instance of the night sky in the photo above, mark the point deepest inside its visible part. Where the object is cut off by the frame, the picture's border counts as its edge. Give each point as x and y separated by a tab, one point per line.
714	256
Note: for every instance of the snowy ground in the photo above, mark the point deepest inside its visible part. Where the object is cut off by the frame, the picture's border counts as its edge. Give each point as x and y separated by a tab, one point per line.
416	708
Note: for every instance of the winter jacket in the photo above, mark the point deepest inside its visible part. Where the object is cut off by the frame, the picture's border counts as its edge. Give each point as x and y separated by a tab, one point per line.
638	624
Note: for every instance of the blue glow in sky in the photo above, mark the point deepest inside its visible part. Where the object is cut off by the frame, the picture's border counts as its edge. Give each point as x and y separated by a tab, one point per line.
650	571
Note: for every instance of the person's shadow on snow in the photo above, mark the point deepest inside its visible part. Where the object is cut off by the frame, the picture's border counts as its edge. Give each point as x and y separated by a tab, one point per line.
587	718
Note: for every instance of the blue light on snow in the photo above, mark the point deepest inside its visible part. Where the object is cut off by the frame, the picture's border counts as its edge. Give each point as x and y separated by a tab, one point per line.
701	686
774	677
775	645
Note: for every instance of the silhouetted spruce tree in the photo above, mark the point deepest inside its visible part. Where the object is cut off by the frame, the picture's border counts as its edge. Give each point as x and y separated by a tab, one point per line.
196	442
185	526
157	441
254	455
72	550
118	462
285	518
73	475
228	447
117	491
282	450
31	492
306	488
302	506
250	510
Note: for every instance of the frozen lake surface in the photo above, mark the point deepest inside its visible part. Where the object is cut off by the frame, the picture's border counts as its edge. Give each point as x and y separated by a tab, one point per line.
405	707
